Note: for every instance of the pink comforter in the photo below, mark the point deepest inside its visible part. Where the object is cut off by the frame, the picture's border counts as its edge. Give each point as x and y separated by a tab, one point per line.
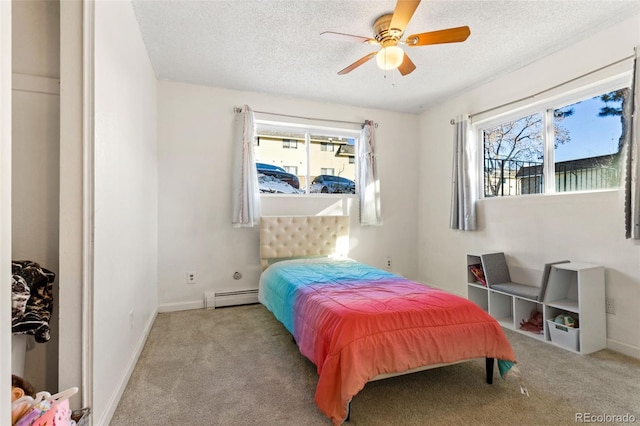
356	326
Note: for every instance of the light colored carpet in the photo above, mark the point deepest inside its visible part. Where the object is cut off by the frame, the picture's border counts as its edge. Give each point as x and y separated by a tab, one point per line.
239	366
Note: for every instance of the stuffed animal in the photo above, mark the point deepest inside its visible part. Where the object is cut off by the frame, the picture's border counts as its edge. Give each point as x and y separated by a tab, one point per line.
20	388
535	323
566	320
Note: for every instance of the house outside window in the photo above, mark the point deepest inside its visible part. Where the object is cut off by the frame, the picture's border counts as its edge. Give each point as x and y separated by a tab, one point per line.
318	152
559	146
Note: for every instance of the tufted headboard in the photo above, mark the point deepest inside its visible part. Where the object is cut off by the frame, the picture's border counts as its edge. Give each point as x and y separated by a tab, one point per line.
302	236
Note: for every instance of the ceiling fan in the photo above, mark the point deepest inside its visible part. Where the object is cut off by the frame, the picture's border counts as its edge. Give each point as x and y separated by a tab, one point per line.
388	30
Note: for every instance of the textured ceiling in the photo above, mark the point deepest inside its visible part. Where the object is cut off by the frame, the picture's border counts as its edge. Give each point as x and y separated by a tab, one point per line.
275	47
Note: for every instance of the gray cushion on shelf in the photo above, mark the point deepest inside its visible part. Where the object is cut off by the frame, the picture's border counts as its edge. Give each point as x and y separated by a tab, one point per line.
495	268
517	289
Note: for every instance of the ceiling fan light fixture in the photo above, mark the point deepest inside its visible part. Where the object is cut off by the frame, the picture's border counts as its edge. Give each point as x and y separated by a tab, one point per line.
388	31
389	57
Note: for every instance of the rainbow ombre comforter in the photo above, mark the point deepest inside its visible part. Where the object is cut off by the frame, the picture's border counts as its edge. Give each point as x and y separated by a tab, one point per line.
354	321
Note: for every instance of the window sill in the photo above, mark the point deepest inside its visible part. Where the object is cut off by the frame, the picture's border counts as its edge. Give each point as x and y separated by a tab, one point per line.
555	194
309	195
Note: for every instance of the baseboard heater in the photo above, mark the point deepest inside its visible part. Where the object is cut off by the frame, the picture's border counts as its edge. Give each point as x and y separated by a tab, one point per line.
218	299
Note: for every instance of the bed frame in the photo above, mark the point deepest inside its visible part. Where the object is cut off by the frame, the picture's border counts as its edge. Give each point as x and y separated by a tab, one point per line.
287	237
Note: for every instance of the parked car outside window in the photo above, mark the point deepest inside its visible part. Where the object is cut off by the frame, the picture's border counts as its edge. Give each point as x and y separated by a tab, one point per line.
278	173
328	184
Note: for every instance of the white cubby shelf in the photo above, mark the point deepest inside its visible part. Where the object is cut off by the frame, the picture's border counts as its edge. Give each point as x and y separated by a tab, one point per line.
573	288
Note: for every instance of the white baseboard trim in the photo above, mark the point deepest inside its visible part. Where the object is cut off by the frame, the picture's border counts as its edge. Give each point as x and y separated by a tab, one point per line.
180	306
110	409
623	348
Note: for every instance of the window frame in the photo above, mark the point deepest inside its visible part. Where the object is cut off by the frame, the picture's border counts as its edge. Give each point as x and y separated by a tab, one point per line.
545	106
309	130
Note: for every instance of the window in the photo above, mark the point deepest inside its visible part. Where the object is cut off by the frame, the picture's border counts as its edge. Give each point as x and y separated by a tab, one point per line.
320	155
562	146
326	146
513	152
598	128
290	143
291	169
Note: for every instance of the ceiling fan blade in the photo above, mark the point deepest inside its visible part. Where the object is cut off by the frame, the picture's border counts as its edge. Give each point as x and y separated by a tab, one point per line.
407	66
330	35
451	35
357	63
403	13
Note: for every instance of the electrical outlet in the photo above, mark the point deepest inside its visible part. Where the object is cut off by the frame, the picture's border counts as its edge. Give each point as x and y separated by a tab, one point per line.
611	307
191	277
388	263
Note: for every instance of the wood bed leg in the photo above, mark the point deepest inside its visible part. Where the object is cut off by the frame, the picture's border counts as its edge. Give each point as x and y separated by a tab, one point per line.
489	363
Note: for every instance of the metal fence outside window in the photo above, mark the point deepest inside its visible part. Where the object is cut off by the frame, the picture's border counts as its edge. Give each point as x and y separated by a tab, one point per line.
506	177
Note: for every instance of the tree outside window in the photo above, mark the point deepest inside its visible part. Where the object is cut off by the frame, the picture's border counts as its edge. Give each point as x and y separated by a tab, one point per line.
588	138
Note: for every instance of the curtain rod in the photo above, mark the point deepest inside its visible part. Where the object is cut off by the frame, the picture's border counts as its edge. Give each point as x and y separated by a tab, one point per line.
551	88
238	110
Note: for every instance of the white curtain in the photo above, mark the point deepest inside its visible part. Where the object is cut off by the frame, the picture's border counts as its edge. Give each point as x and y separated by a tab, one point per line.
368	182
246	193
463	194
632	169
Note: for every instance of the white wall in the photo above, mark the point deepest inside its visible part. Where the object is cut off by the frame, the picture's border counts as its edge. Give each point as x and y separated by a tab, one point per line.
534	229
36	38
36	160
35	209
125	203
195	152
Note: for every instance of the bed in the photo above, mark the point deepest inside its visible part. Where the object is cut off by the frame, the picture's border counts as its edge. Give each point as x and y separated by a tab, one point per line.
358	323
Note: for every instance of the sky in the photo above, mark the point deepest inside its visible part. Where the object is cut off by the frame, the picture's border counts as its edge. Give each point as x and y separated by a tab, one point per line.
590	135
